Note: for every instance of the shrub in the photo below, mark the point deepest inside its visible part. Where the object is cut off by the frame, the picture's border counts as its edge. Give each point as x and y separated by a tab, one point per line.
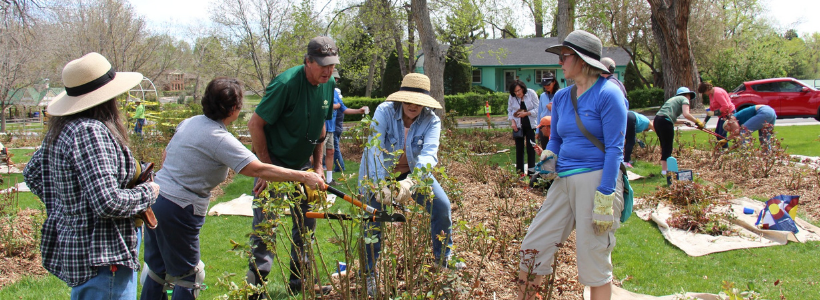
646	98
470	104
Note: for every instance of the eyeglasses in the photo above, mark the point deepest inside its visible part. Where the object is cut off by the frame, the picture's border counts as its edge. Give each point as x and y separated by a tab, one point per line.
563	57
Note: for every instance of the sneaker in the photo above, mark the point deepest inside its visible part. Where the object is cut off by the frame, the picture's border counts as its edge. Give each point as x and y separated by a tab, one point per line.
628	165
371	286
460	266
333	183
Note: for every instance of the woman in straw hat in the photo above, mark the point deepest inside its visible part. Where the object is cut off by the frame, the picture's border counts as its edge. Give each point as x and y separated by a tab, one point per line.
80	172
407	122
197	160
588	194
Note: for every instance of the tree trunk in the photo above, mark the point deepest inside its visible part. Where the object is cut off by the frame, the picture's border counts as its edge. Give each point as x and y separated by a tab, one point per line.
370	74
538	15
411	42
565	22
392	23
670	25
433	58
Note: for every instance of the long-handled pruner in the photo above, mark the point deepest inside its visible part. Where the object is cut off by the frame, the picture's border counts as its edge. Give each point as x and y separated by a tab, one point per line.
376	215
705	130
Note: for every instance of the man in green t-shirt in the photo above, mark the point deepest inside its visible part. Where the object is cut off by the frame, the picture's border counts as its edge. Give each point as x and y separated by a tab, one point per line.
287	129
139	114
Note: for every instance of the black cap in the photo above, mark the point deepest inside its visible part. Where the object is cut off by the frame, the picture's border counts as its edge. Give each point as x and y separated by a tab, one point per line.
323	50
547	80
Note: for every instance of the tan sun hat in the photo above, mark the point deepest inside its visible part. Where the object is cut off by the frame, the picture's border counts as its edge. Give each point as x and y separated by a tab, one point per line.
89	81
415	89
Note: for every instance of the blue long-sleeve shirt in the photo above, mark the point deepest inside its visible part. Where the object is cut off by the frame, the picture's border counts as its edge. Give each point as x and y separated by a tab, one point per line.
340	112
543	110
603	113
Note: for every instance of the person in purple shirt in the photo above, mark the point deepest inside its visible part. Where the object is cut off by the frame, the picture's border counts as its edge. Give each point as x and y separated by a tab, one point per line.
587	195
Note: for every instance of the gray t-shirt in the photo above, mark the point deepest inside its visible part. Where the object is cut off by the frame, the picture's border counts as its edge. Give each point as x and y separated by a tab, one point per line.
197	160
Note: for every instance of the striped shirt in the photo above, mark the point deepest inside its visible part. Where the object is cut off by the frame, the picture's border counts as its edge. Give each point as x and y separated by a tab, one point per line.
81	179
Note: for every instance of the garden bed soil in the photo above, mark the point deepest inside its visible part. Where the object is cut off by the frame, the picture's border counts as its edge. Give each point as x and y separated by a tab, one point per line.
24	259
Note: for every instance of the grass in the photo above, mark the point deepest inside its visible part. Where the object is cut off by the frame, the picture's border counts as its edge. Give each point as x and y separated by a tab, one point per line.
802	140
643	260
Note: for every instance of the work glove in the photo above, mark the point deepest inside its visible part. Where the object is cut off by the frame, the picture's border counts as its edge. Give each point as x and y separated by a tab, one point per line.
699	124
403	194
384	196
602	214
314	195
547	165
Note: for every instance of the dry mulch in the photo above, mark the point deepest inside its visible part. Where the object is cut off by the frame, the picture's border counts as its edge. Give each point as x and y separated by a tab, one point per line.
23	258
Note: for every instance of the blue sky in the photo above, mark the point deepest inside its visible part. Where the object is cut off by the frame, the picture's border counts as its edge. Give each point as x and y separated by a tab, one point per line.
162	13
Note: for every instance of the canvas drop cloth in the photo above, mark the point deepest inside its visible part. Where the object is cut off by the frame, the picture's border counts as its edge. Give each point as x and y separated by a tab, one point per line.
749	236
632	176
622	294
243	206
20	187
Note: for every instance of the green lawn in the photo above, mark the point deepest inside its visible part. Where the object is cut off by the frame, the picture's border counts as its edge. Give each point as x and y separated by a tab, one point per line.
803	140
643	260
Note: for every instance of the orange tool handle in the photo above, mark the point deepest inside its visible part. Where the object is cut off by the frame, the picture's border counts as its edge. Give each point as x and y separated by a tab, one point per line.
350	199
314	215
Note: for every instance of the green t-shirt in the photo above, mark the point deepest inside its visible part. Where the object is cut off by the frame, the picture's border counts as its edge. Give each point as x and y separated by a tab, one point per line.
295	111
140	112
673	107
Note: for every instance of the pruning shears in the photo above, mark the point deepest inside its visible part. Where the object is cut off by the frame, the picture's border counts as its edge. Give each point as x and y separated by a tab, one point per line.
705	130
375	214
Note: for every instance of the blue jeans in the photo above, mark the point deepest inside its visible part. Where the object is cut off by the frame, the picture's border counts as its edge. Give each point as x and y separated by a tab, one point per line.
172	248
121	284
138	126
338	162
439	210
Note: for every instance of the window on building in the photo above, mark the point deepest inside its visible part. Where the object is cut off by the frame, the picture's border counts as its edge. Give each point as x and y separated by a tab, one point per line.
476	75
542	73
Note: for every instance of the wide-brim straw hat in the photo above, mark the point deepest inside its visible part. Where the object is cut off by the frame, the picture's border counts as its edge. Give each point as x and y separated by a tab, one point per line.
585	45
415	89
90	81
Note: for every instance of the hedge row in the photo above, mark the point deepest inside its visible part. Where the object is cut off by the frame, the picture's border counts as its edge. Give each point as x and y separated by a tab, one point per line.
645	98
470	104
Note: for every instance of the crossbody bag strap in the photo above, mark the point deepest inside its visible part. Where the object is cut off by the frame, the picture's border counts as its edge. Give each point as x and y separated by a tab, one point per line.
595	141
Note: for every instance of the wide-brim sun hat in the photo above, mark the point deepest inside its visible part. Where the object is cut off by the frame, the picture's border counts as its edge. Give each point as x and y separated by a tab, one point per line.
90	81
415	89
685	90
586	45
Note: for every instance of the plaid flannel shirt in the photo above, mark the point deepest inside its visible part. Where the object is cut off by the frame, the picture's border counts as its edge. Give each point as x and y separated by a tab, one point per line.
81	178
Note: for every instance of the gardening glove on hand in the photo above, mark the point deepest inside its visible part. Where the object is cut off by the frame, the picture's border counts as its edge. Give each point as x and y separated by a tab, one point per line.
602	214
547	164
384	196
315	195
699	124
404	190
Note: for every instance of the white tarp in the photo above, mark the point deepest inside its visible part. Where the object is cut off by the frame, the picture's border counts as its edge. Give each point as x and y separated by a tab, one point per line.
748	235
243	206
622	294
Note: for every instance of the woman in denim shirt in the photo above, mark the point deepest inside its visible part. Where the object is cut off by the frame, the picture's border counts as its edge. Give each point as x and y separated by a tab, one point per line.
407	122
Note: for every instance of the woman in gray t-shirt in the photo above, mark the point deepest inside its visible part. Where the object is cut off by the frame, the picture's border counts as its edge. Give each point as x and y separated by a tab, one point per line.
195	161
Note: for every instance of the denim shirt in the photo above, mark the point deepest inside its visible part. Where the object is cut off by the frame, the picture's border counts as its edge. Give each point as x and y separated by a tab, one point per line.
421	145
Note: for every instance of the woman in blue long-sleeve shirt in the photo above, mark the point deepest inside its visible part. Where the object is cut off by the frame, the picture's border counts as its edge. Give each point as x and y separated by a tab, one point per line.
588	194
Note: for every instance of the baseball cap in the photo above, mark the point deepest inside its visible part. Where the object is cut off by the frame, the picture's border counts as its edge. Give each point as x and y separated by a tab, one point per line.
323	50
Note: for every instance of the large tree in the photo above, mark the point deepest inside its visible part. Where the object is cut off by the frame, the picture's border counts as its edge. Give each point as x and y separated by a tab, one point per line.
19	52
670	24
